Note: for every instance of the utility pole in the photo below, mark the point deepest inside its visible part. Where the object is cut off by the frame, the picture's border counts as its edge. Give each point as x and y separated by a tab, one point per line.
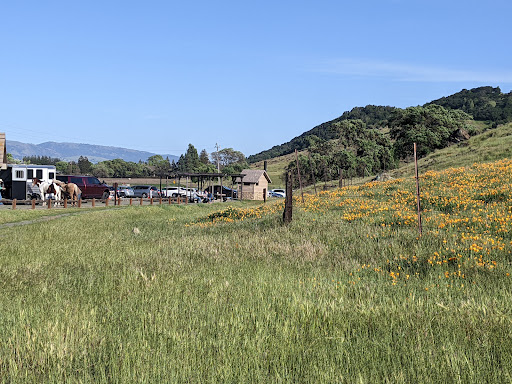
218	158
218	162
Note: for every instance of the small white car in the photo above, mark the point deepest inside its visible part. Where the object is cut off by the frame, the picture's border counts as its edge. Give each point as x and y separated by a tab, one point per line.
173	192
277	193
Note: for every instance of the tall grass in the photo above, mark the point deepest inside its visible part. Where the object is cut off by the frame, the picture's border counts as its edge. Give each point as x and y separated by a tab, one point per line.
200	296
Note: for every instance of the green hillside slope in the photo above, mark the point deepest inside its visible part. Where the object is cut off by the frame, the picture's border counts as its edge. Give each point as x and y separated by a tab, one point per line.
494	144
373	116
484	104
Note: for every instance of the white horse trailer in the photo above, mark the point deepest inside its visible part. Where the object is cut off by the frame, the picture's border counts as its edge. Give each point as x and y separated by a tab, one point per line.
17	180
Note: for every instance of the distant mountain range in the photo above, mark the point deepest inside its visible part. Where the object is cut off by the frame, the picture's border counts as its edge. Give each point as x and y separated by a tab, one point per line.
72	151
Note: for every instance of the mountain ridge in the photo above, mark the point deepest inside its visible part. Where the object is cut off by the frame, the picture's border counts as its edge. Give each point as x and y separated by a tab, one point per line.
72	151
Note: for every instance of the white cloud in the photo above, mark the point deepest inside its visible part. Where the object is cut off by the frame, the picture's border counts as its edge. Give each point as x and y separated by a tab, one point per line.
409	72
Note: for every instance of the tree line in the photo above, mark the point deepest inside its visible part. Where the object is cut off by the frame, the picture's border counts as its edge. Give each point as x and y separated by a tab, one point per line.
359	150
227	160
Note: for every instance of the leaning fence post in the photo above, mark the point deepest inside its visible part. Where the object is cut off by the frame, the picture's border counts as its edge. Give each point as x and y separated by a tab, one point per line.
288	201
417	190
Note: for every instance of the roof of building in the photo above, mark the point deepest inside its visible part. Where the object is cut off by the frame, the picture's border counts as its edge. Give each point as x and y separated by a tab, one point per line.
253	175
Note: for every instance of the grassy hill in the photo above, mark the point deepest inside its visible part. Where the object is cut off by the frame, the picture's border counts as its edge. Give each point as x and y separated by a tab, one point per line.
275	168
487	106
373	116
348	292
493	144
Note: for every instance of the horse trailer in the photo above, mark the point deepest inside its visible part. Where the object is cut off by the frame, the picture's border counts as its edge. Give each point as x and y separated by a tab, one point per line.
17	180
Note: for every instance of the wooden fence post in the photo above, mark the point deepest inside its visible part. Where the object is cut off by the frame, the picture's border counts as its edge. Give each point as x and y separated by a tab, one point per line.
33	203
93	202
341	178
14	204
288	201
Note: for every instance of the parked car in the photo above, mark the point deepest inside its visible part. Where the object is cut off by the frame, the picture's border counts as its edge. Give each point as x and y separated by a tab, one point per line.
277	193
173	191
145	191
223	192
125	191
90	186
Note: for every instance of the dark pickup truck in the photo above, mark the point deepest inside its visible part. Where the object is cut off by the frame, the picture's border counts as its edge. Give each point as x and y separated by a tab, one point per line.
91	187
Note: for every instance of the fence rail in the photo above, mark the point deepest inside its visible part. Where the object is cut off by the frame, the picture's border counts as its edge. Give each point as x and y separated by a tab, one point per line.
66	203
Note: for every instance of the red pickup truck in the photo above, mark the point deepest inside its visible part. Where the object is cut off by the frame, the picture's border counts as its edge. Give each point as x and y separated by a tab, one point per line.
91	187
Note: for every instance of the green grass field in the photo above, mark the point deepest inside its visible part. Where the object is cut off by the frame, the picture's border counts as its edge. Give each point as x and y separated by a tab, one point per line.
348	293
344	294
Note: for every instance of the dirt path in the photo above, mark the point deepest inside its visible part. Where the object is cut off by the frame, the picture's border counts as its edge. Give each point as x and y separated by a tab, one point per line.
38	220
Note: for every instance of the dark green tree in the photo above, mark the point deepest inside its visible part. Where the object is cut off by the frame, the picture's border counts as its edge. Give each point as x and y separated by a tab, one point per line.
85	165
204	158
431	127
228	157
159	165
189	162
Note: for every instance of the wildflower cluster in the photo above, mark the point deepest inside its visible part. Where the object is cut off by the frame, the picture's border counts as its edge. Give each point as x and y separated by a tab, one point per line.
467	210
231	214
466	214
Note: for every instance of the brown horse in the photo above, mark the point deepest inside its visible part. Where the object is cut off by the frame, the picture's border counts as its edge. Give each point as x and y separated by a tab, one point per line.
70	191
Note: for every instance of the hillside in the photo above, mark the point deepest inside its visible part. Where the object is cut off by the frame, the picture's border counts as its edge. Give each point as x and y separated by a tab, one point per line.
491	145
494	144
72	151
483	104
373	116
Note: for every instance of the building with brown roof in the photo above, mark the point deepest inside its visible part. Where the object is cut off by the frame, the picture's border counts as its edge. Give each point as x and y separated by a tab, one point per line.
254	184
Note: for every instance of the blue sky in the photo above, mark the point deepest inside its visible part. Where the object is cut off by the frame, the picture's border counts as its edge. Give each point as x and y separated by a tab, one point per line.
158	75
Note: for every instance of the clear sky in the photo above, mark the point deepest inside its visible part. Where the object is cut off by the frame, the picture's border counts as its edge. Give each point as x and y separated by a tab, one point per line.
158	75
